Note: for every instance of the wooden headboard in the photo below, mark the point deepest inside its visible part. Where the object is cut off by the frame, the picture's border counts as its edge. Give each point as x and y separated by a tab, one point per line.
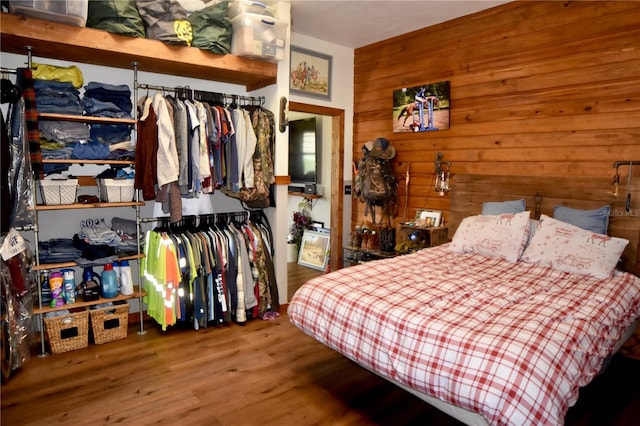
542	193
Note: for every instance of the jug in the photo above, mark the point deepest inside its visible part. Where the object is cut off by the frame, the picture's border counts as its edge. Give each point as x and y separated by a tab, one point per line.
109	282
91	284
126	278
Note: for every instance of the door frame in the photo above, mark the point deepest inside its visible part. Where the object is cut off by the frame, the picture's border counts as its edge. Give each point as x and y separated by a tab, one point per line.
337	175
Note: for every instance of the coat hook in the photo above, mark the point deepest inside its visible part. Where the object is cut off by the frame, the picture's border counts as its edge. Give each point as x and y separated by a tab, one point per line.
284	120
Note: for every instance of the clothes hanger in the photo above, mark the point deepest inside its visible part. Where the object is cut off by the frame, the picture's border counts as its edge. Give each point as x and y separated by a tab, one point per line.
9	92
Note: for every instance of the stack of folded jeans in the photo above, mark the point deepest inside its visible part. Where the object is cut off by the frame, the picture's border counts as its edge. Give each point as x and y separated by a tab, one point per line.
57	97
58	250
113	101
58	137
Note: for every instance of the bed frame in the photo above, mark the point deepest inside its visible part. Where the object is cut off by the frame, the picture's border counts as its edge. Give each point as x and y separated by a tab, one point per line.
541	193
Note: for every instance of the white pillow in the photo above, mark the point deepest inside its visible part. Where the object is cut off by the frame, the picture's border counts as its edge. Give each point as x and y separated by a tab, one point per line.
503	236
568	248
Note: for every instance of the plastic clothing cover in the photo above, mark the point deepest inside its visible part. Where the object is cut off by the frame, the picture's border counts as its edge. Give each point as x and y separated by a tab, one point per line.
17	281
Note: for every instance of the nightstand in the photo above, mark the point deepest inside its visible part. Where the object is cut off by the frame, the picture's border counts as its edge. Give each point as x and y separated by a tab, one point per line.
356	255
420	237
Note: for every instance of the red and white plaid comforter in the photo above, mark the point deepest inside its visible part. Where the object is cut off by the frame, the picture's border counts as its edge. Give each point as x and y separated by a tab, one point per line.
513	342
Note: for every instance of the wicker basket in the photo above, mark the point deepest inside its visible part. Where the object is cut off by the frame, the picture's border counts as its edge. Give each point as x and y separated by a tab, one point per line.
68	332
110	323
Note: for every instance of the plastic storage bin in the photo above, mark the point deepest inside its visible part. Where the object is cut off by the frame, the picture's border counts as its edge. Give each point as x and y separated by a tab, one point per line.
71	12
58	191
237	7
68	332
116	190
258	37
109	323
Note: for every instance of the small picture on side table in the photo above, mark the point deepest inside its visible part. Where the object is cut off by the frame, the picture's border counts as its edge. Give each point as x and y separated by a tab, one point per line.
314	250
428	218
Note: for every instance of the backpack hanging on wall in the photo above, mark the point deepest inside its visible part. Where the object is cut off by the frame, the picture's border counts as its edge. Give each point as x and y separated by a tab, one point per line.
375	184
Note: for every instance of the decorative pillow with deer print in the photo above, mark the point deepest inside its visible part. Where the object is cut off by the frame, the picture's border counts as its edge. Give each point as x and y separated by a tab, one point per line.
503	236
568	248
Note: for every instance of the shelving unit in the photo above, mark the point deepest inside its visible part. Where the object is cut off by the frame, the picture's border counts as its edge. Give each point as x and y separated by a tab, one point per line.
307	196
356	255
41	310
91	46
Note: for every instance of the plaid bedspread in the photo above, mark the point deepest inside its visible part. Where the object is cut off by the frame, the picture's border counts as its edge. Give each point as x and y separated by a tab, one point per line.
513	342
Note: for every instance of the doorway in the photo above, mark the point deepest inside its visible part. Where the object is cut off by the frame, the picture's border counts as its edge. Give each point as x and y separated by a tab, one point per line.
336	191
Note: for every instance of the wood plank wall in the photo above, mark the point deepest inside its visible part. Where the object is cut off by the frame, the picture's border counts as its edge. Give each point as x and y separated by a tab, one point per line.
537	88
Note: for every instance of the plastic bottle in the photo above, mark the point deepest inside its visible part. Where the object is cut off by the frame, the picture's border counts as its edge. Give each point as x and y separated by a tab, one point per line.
109	282
69	285
126	278
116	268
45	289
57	292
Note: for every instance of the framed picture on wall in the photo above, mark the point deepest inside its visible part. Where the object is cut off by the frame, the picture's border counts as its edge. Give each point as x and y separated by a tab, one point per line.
310	73
314	250
421	108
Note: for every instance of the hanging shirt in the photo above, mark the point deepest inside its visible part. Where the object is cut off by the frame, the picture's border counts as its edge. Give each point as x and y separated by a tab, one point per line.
167	155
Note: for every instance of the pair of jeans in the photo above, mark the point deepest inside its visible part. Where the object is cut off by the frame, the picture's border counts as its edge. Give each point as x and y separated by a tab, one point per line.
63	131
97	108
119	95
110	133
58	250
57	97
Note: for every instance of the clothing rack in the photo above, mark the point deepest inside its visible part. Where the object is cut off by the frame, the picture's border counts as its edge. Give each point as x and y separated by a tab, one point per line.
204	218
201	95
256	215
198	95
4	70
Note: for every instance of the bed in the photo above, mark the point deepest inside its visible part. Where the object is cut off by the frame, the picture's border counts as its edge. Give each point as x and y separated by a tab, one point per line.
490	327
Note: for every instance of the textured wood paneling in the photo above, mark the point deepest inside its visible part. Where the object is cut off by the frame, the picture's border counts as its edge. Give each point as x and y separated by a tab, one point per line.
542	193
537	89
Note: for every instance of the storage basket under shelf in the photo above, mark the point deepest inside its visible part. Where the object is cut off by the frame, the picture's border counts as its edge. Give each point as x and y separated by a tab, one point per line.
68	332
116	190
58	191
110	323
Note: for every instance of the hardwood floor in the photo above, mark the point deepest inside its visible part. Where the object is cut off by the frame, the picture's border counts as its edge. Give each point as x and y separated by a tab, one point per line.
264	373
298	275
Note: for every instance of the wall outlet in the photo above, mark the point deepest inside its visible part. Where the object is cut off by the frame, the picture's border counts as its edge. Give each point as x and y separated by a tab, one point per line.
347	189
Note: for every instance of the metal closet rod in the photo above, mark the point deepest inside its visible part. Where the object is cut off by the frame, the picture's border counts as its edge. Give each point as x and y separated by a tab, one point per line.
206	215
202	94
